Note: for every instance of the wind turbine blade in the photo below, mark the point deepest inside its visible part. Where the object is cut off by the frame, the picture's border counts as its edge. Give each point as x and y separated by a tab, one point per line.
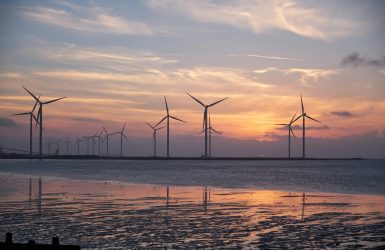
165	101
25	113
292	118
216	131
153	136
150	125
36	120
38	116
125	137
35	105
177	119
281	124
292	132
201	103
124	126
100	133
161	121
204	120
303	110
201	132
312	119
212	104
296	119
55	100
115	133
31	94
209	121
160	128
105	130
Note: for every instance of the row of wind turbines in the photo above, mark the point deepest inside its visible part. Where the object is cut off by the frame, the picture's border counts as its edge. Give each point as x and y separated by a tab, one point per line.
207	129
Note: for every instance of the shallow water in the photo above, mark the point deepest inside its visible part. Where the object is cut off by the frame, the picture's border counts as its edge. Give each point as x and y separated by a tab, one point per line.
121	215
349	176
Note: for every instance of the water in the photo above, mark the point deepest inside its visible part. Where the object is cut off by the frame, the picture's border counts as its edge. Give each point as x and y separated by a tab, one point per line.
254	204
350	176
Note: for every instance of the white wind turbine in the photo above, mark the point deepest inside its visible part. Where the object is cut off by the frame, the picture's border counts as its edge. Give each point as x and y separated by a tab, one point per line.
290	129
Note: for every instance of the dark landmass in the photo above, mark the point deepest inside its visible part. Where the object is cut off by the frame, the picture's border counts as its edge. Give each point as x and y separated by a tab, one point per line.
184	158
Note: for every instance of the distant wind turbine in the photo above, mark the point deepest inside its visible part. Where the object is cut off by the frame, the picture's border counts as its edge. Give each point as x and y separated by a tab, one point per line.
290	128
106	137
40	115
67	142
154	129
206	107
210	130
121	132
78	140
98	135
304	115
168	116
31	116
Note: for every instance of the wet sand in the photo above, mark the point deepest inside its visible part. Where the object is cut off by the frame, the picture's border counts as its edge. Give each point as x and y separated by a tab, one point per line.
118	215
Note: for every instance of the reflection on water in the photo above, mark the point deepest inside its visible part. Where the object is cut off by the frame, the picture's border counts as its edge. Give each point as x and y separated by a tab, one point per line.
120	215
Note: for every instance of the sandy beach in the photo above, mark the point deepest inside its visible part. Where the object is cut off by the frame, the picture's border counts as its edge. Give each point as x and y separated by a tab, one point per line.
120	215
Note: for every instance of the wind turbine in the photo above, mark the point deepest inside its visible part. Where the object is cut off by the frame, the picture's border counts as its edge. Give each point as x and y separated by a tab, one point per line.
78	140
107	137
31	116
67	142
154	136
205	116
121	138
290	129
210	130
304	115
98	135
40	115
168	116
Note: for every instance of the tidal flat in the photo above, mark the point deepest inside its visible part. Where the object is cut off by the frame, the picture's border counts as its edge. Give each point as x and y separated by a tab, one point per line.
119	215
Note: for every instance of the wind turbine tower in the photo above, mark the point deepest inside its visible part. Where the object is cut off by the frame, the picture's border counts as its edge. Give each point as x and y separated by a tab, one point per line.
31	117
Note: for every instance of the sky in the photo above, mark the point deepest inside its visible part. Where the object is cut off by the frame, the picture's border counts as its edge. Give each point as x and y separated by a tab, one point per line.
116	60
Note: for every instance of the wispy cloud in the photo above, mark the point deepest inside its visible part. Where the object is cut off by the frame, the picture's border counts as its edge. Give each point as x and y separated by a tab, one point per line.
342	113
305	74
356	60
86	119
260	16
265	57
89	19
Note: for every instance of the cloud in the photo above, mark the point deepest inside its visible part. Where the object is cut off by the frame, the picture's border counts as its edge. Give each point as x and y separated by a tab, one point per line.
85	119
261	16
7	122
305	74
342	113
88	19
299	127
356	60
266	57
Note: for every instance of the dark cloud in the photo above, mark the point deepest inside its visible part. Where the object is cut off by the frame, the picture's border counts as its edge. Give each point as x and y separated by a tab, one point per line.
356	60
299	127
7	122
342	113
83	119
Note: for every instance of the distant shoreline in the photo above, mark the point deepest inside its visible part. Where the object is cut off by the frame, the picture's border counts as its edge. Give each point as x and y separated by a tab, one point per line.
184	158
